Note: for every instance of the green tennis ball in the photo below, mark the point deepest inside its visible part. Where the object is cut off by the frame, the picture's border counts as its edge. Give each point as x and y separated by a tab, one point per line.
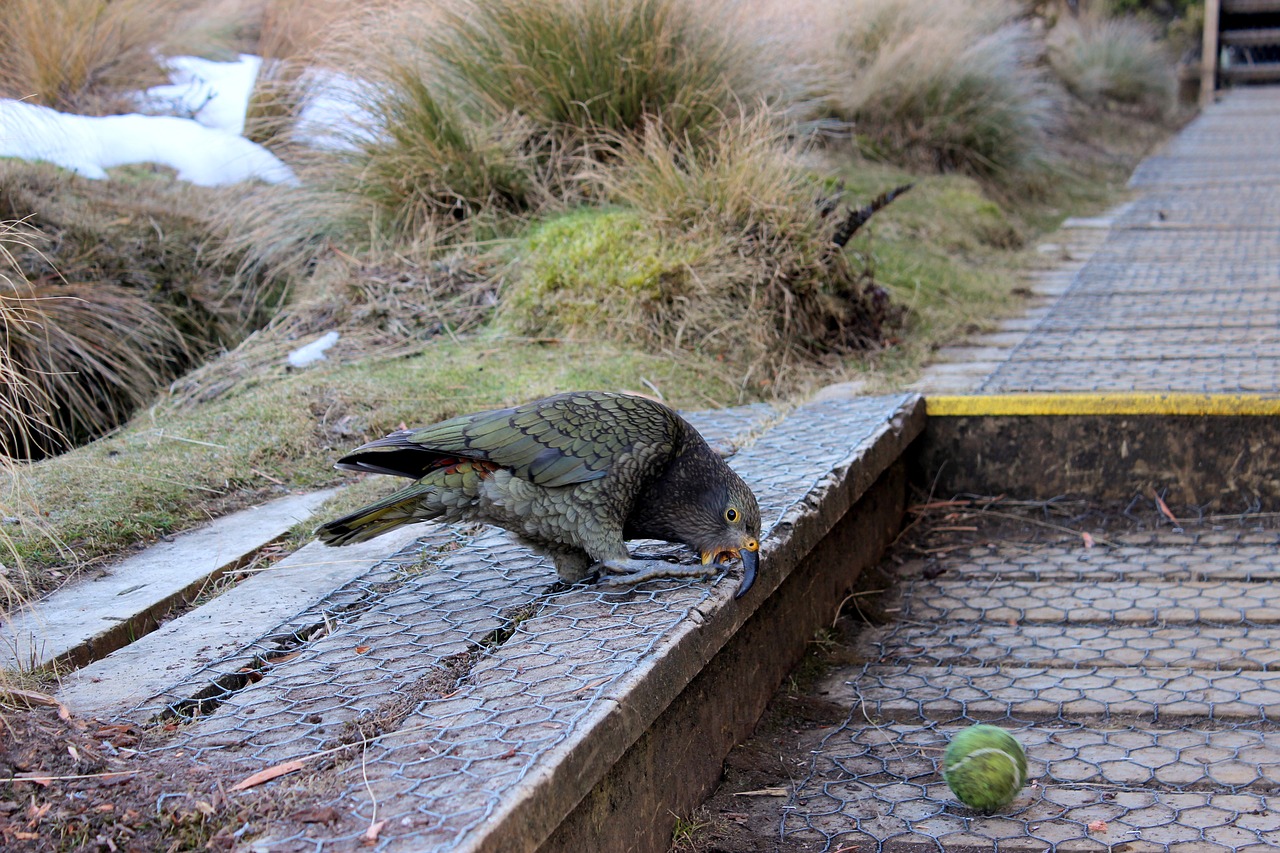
985	767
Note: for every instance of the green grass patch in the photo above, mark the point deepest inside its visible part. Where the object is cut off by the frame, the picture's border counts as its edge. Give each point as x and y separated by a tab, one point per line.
949	255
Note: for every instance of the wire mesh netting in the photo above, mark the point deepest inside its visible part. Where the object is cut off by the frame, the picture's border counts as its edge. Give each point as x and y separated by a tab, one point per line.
444	685
1139	670
1183	294
1237	207
878	788
1231	144
1139	673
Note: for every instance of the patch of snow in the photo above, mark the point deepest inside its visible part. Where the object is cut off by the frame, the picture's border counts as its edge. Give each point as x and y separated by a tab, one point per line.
216	94
334	114
89	145
313	351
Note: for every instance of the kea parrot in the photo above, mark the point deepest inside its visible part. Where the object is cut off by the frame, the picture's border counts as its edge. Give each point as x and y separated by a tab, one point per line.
572	476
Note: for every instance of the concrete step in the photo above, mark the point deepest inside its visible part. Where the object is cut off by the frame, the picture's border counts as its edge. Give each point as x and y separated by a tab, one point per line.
1168	696
1252	72
1249	7
1121	789
1248	561
1116	602
260	619
1228	761
1136	345
88	619
500	711
1252	37
977	644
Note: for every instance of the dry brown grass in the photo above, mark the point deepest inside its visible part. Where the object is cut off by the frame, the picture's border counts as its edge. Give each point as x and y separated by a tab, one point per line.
95	351
951	86
81	55
112	295
293	36
1114	62
23	405
24	410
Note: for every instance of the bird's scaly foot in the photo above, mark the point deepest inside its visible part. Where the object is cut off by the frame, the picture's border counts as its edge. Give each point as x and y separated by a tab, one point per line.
633	571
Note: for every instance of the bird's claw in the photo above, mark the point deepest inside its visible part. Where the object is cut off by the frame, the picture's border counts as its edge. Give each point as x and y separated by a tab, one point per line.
631	572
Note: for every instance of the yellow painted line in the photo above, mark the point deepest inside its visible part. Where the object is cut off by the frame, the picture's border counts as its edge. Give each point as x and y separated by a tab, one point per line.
1132	403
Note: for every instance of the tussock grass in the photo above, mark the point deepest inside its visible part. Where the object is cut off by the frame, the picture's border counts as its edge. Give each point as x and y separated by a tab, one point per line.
1114	62
480	113
111	298
438	167
294	39
595	66
727	253
80	55
93	352
24	411
949	87
24	407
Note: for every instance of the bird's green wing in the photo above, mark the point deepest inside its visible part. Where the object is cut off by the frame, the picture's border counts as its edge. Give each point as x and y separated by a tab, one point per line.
557	441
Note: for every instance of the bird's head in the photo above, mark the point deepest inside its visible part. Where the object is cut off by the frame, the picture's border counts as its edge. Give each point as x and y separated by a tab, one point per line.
728	526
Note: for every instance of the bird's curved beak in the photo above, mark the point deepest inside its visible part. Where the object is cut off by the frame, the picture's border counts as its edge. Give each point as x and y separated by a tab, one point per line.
750	554
750	562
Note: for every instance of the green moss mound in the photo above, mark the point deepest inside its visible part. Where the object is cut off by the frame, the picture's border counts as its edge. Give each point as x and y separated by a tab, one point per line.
592	274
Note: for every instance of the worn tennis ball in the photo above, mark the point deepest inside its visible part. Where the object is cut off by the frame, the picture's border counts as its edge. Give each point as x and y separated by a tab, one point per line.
985	767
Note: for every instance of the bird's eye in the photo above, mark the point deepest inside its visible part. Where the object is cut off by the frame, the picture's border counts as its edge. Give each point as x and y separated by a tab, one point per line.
731	515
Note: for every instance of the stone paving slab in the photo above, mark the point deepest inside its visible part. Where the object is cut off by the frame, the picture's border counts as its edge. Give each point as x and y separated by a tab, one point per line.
1100	645
1167	696
1117	602
486	681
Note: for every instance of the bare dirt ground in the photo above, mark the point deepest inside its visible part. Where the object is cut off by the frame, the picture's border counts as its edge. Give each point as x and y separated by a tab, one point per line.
79	784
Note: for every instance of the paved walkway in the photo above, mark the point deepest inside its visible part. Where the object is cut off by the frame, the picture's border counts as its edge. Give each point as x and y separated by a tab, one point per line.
1138	670
1179	290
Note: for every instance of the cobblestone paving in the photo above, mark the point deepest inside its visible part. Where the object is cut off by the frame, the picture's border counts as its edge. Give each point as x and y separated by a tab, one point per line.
1141	675
1184	293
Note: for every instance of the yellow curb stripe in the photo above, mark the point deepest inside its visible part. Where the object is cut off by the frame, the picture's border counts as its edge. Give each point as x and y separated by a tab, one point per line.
1131	403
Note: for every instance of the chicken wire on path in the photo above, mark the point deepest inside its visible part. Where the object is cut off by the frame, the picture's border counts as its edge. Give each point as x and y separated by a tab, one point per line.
1140	675
463	673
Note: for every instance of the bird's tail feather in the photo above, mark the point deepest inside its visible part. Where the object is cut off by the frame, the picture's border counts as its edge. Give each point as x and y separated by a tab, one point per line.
402	507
